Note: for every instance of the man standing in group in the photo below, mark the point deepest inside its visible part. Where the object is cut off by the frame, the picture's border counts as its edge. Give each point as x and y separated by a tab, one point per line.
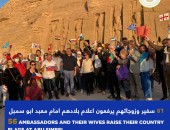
69	70
112	62
49	66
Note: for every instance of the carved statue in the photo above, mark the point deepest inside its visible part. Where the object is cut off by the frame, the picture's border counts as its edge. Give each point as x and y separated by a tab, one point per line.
65	30
100	27
91	4
117	28
78	27
54	26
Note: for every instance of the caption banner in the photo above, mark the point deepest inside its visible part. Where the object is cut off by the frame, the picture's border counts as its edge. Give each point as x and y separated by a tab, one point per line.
83	115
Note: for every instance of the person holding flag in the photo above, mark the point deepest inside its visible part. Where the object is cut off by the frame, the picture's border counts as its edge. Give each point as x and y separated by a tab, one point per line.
112	62
49	66
30	72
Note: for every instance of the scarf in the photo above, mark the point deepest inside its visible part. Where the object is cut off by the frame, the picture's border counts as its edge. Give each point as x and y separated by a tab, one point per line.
143	56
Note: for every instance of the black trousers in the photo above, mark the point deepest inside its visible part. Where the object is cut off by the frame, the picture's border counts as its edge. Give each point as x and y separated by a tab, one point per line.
113	83
162	78
50	85
88	81
99	79
59	80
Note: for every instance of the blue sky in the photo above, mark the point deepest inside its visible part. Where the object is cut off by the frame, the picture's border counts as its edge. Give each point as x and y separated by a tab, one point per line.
3	2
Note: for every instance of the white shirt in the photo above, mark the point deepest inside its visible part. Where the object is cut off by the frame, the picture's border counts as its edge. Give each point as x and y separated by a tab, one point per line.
146	66
87	66
48	74
58	62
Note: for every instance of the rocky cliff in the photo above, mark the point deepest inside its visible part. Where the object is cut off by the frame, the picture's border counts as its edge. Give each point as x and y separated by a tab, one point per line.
23	22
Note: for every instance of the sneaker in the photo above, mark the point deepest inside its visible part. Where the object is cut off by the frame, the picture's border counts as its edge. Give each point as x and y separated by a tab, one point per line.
110	97
103	93
149	99
163	98
81	91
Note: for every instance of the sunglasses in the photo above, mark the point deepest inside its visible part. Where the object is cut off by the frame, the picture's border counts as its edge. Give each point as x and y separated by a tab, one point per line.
32	64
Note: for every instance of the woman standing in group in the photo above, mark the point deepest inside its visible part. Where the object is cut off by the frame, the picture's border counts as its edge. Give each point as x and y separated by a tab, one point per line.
29	72
146	69
87	70
12	81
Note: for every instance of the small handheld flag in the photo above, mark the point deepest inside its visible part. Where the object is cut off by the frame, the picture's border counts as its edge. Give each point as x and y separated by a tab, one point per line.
6	45
50	47
110	58
37	59
51	68
34	45
132	27
164	17
113	39
72	40
81	37
36	76
57	38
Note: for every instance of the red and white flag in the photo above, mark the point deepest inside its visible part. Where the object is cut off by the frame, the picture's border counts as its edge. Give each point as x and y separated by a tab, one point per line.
164	17
72	40
57	37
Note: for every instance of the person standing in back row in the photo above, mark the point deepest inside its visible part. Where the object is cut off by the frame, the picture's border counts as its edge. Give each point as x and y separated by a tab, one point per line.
69	71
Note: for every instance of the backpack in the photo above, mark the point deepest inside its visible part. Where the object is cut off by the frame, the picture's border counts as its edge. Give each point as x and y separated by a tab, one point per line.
122	73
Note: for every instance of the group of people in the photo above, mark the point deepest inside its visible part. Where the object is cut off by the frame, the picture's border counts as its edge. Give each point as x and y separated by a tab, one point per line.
127	64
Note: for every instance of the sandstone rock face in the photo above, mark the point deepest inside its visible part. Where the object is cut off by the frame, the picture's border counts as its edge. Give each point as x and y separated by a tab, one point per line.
23	22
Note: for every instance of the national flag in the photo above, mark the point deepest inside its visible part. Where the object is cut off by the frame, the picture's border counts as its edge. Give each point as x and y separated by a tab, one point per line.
110	58
34	45
50	47
57	37
164	17
10	46
113	39
143	31
132	27
36	58
36	76
81	37
51	68
72	40
6	45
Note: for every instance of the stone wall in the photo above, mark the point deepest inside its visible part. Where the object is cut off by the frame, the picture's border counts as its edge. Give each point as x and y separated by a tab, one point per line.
25	21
